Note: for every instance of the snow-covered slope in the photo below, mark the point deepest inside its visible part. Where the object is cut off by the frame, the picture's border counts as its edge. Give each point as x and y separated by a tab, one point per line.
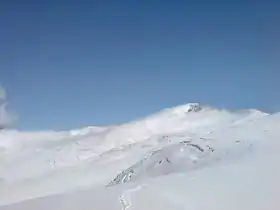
158	151
250	183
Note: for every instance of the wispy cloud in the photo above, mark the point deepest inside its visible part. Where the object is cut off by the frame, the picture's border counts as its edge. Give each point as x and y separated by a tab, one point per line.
6	118
2	93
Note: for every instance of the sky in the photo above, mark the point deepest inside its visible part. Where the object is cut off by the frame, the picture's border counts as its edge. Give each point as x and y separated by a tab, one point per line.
69	64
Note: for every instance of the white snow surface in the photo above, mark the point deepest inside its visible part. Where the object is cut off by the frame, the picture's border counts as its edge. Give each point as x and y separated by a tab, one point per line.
191	157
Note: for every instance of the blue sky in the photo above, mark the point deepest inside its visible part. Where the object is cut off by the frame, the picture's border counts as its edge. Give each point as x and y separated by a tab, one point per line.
67	64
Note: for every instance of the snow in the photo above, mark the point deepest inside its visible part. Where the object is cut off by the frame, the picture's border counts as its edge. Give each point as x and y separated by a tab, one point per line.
186	157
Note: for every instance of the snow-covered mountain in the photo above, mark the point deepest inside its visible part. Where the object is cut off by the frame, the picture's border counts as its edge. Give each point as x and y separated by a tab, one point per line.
189	141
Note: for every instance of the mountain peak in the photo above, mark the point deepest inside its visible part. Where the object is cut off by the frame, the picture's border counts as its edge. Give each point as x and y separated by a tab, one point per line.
187	108
192	107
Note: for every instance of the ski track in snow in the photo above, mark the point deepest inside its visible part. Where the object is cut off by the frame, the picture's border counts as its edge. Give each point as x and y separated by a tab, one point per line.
125	198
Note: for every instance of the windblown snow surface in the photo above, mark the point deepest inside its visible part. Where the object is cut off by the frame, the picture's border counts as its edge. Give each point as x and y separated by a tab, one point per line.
189	157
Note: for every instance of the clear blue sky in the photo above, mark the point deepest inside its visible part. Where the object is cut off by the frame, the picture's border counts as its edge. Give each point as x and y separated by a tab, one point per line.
67	64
